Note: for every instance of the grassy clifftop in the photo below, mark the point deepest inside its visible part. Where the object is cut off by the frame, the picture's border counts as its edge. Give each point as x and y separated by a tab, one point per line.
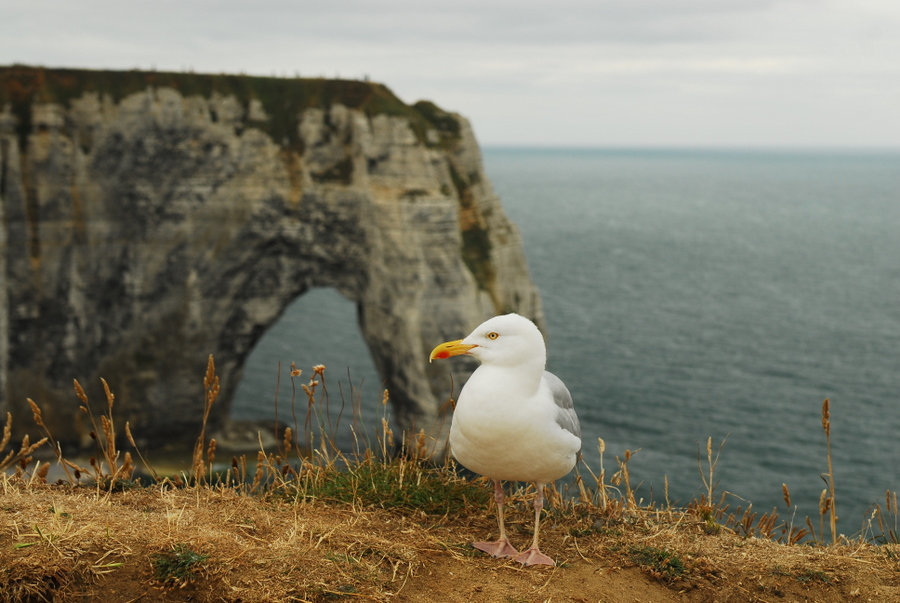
314	524
282	98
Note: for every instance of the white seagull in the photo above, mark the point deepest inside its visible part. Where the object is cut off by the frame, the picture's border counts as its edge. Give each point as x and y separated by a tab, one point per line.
514	421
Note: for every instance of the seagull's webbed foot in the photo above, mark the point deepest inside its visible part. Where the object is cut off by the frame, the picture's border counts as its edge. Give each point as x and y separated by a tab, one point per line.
533	556
501	548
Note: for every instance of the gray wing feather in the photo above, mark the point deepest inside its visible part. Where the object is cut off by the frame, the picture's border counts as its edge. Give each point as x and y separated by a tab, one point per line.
565	413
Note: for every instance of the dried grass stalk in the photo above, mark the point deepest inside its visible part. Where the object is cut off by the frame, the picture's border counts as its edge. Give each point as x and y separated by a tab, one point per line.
826	425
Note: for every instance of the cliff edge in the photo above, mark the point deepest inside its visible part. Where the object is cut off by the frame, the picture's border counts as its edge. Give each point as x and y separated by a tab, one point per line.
151	219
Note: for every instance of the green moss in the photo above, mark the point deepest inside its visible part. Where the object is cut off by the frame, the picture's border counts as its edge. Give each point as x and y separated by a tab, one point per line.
341	172
415	193
809	575
476	253
431	490
461	186
476	241
445	124
176	565
662	562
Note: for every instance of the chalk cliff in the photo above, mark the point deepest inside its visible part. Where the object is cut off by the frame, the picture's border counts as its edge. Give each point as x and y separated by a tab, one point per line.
151	219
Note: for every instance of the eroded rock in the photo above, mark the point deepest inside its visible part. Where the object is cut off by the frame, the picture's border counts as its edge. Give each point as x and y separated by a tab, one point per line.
145	231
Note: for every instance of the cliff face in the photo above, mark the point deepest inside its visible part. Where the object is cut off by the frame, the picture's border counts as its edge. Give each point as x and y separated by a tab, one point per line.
150	220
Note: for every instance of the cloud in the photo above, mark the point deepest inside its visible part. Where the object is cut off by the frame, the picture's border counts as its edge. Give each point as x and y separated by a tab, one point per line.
572	70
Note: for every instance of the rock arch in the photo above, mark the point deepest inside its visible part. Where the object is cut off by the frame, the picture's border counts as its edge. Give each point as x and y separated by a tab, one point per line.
143	232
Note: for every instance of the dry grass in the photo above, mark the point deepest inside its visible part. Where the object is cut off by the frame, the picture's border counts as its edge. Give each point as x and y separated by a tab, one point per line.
312	523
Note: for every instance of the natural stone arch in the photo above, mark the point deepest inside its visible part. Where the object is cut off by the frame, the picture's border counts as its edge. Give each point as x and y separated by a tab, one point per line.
146	232
319	327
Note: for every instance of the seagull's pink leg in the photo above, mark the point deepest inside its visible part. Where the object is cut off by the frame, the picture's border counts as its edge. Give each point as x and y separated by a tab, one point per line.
534	556
502	547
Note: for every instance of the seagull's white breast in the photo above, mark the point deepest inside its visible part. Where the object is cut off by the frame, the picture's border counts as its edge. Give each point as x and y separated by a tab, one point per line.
502	430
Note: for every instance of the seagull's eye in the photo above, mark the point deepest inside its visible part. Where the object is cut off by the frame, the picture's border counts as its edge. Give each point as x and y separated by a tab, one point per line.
493	335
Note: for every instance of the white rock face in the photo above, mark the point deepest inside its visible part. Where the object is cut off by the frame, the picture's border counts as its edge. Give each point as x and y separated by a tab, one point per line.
140	236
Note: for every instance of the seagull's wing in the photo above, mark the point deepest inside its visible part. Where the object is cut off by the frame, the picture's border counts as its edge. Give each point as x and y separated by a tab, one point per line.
565	409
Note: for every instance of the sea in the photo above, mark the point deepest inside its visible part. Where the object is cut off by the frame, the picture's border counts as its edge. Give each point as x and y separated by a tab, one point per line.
689	294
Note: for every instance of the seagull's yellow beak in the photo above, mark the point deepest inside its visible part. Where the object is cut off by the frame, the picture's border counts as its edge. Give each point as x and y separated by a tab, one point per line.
450	348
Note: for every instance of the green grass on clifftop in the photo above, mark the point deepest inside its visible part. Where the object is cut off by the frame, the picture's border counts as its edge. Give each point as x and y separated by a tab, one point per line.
283	98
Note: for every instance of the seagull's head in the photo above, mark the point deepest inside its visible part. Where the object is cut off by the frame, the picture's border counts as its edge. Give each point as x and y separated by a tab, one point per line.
508	340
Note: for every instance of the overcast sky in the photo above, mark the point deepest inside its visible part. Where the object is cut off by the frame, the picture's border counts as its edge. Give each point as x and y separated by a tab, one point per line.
810	73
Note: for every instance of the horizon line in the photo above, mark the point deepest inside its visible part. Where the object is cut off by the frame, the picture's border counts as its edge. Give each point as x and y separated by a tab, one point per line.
696	148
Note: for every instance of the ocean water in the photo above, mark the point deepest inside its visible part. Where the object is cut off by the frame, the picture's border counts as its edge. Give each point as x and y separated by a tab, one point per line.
691	294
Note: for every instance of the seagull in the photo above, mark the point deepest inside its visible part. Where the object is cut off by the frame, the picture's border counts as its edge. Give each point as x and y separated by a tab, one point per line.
514	421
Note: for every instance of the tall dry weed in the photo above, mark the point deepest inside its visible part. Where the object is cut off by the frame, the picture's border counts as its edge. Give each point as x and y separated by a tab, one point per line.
108	469
23	456
210	394
827	500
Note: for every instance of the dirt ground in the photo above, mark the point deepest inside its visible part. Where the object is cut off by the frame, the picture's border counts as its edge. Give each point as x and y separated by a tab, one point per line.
63	544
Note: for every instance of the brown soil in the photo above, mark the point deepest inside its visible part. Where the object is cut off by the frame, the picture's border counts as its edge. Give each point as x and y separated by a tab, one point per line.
63	544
